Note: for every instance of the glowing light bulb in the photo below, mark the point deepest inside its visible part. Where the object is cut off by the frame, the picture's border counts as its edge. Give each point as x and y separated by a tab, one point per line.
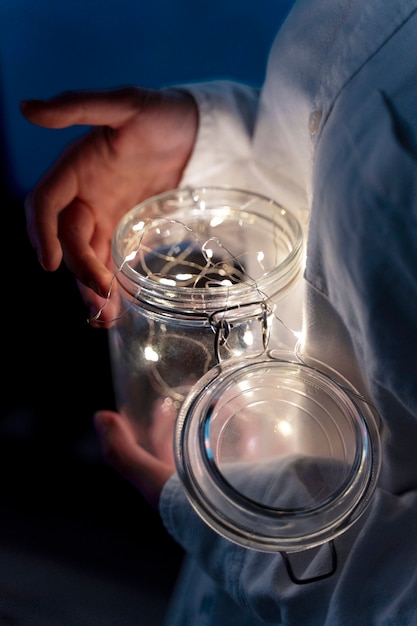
150	354
168	281
184	276
248	338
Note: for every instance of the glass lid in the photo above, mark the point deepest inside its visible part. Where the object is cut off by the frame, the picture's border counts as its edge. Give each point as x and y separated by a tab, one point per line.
277	454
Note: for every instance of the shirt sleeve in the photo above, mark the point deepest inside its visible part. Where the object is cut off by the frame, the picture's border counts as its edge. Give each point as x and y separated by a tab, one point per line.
259	582
222	152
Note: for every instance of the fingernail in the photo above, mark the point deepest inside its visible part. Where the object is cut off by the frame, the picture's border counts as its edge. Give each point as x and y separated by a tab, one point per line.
102	422
94	316
27	101
40	259
23	104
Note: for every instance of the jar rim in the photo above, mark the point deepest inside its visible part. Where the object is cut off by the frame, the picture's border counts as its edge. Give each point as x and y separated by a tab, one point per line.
276	279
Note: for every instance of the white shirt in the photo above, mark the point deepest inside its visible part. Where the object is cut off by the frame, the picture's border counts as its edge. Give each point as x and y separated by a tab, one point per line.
332	136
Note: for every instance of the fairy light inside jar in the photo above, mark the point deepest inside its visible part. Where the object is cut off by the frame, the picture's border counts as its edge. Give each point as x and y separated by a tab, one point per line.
190	261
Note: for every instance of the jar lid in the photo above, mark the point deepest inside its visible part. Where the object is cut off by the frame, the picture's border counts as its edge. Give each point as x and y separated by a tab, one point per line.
277	454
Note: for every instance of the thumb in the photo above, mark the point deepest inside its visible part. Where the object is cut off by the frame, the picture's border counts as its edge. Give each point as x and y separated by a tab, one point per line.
144	471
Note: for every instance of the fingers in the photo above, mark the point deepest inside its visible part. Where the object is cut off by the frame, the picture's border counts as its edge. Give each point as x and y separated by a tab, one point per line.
90	107
120	450
102	312
86	246
73	173
59	223
42	207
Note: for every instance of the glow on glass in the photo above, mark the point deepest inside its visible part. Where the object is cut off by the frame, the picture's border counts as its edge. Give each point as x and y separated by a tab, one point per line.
248	337
216	221
150	354
284	428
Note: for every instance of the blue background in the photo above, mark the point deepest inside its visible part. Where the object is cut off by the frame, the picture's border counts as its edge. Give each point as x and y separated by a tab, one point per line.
47	47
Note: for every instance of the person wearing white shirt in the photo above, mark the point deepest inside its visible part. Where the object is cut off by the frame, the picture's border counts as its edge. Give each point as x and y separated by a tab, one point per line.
332	135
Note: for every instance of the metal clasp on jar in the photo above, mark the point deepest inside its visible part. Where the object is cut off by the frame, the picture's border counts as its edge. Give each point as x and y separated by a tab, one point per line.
240	330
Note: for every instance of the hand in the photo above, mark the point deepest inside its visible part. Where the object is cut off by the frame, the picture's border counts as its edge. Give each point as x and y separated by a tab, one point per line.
142	469
140	142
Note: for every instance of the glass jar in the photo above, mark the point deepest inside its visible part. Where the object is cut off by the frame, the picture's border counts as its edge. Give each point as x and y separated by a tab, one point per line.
203	275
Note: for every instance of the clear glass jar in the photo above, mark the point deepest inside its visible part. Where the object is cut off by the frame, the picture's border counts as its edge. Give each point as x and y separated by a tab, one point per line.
203	275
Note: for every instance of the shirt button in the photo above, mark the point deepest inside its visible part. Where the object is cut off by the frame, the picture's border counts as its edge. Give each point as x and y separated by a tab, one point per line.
314	123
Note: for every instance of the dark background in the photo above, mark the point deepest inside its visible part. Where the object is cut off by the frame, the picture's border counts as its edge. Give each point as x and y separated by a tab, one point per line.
78	546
